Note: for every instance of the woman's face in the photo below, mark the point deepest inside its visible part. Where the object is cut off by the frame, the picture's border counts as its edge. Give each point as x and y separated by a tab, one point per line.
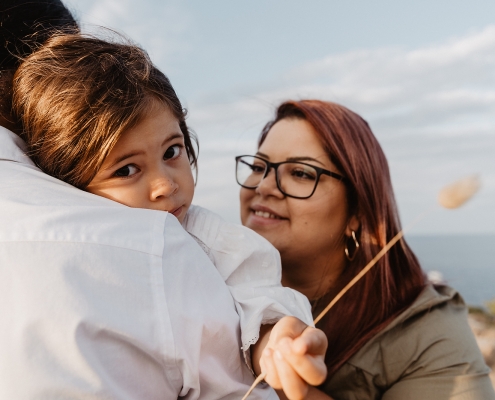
307	232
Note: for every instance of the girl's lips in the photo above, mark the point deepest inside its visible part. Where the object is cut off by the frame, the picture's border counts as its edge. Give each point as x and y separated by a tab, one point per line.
177	211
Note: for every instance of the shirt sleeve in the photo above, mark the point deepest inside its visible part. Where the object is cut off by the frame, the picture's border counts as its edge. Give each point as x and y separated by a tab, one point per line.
204	323
446	370
251	268
463	387
439	360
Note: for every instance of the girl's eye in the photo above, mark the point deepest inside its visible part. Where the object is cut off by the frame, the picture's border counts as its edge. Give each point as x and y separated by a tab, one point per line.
172	152
126	171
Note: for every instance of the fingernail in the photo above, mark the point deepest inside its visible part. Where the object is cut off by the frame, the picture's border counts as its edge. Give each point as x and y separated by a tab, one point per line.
267	352
279	355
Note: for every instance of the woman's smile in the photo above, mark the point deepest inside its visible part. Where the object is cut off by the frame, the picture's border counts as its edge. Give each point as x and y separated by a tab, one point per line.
262	215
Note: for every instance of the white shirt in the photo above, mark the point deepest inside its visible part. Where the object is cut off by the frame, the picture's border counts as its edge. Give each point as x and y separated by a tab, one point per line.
251	268
103	301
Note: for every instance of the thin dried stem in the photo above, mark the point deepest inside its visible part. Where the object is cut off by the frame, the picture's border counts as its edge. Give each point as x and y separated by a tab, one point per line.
362	273
372	263
255	383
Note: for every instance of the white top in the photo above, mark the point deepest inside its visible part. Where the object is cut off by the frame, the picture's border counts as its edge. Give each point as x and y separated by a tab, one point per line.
102	301
251	268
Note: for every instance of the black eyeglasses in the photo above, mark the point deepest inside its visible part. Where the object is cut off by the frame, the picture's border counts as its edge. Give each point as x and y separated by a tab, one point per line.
294	179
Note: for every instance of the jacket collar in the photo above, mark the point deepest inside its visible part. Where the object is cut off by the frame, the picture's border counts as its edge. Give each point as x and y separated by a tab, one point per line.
13	148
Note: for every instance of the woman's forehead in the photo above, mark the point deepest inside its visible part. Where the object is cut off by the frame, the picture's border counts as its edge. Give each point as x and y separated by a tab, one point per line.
293	139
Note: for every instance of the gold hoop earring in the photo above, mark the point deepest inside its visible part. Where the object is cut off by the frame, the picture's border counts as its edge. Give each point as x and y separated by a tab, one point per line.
356	247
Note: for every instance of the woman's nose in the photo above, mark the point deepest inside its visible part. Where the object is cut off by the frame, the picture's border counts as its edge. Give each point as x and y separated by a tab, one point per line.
162	187
268	186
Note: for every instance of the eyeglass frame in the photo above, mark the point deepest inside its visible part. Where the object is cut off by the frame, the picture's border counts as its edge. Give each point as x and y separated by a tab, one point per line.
270	165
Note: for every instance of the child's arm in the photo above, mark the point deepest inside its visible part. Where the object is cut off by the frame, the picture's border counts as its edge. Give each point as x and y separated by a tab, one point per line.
250	266
292	355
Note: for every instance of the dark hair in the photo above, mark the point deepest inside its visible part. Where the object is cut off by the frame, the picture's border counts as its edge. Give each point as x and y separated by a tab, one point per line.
25	25
397	279
77	95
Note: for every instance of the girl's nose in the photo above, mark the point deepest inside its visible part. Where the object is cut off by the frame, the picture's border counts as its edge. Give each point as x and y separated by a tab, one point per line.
162	188
268	186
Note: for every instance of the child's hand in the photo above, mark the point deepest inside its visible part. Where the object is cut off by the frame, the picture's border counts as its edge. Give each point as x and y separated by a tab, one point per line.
294	357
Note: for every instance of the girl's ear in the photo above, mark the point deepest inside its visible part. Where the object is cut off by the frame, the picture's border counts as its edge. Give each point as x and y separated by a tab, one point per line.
352	225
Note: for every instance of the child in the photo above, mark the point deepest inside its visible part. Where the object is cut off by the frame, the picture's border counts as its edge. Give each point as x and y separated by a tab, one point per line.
102	118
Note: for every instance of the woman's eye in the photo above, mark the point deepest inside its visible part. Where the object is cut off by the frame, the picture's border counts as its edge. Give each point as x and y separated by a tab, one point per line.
172	152
126	171
303	174
257	168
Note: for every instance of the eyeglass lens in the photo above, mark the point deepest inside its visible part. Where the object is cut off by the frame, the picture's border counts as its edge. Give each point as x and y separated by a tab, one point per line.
294	179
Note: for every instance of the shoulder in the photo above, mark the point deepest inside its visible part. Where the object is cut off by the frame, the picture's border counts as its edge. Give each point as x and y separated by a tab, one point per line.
237	252
430	340
433	335
221	235
39	208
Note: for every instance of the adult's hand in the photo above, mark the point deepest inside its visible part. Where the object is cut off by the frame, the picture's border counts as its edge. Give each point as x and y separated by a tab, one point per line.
294	357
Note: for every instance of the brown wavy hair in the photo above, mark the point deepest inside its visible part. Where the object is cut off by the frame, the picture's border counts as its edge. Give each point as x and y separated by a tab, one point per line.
78	94
397	279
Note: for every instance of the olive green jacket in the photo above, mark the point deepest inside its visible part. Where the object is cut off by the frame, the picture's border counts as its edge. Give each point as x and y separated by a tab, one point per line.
427	353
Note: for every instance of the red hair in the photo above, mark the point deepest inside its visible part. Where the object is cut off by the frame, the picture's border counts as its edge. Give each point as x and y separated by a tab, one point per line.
397	279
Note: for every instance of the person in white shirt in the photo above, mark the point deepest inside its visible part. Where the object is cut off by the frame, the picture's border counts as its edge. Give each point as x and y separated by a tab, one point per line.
102	118
100	301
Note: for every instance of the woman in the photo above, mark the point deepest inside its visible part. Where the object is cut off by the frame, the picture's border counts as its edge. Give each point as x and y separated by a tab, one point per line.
319	190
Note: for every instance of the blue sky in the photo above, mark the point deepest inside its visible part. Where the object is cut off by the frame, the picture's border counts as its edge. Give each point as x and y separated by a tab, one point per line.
422	73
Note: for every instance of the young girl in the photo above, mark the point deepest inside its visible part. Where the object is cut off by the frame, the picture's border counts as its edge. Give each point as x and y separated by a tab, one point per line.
102	118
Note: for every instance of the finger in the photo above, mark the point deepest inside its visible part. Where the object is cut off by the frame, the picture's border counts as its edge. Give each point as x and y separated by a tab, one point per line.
287	327
268	366
311	369
293	386
312	341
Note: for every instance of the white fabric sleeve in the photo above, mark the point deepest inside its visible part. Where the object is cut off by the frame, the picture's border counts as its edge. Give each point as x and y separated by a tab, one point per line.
251	268
204	323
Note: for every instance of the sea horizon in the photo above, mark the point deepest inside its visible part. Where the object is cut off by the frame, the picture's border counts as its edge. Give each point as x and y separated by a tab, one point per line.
465	261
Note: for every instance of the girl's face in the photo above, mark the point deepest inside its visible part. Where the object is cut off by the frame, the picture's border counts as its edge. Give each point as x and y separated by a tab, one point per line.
149	167
307	232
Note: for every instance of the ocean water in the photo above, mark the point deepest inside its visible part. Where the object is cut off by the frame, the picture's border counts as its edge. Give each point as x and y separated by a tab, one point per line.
466	263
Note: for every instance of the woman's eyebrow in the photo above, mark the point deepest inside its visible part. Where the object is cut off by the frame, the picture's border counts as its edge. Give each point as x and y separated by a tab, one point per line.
304	159
262	155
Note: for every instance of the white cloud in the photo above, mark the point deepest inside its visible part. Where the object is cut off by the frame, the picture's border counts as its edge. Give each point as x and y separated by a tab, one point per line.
161	27
432	108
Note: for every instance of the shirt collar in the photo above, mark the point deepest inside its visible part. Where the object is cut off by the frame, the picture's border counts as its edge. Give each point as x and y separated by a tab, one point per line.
13	148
